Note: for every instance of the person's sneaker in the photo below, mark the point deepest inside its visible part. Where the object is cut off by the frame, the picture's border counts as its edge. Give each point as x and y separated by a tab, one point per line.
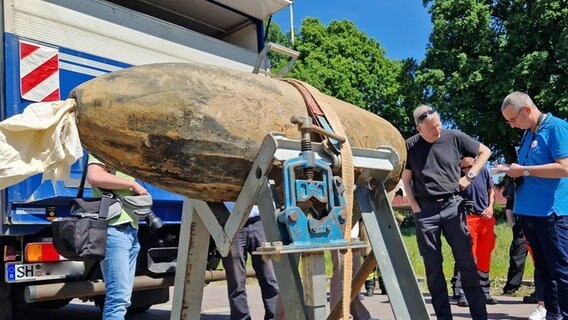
538	314
462	302
369	288
509	292
455	295
490	300
530	298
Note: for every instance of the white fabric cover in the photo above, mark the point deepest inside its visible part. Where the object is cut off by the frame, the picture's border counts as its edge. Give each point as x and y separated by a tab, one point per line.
42	139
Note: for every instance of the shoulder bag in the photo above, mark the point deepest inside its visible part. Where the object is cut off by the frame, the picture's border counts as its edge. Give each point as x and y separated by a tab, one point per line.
82	235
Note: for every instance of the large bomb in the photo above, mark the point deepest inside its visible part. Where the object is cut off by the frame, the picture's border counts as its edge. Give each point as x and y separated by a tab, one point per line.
195	129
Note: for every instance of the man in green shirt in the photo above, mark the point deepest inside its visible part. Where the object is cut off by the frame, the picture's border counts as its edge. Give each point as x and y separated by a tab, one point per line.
122	247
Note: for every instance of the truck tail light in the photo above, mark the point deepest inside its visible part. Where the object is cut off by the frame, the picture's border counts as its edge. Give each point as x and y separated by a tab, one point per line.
41	252
10	253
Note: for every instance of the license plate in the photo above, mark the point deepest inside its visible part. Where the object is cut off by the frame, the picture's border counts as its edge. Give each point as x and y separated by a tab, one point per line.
26	272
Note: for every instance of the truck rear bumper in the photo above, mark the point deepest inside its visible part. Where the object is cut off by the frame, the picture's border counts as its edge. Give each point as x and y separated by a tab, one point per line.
83	289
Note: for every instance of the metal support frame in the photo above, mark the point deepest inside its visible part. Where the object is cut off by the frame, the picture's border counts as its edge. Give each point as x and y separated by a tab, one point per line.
402	287
315	284
309	300
271	46
192	262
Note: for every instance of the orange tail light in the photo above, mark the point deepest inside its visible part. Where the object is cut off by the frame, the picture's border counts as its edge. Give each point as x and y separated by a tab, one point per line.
41	252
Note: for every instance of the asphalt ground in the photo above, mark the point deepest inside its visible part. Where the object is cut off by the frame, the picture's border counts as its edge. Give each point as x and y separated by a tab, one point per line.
215	307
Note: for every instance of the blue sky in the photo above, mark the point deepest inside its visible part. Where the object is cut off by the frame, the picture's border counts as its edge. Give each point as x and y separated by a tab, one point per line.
401	26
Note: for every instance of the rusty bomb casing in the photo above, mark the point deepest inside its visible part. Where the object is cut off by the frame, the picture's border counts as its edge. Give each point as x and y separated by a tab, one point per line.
195	129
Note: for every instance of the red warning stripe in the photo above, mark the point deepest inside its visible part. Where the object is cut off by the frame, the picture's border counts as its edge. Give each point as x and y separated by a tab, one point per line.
26	49
42	72
52	96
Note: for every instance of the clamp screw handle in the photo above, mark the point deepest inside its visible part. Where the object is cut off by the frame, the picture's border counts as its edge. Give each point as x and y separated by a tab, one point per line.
305	124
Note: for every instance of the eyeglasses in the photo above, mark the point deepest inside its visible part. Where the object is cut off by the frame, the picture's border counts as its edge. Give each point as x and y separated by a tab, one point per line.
467	167
515	118
425	115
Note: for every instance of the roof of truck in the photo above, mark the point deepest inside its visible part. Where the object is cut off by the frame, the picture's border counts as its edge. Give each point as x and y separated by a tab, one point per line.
215	18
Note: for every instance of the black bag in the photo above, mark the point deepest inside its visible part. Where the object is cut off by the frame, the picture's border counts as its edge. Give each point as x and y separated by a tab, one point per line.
83	235
80	238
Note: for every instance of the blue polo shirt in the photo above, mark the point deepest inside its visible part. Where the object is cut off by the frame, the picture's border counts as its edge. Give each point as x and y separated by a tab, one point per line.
540	197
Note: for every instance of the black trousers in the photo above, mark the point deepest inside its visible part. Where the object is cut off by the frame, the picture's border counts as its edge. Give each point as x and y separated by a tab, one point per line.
448	217
247	240
517	258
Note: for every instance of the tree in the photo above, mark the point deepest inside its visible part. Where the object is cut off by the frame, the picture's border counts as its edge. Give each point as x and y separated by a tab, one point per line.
343	62
480	51
275	34
411	94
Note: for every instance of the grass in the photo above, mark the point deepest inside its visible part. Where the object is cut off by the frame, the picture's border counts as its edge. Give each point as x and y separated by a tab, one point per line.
499	258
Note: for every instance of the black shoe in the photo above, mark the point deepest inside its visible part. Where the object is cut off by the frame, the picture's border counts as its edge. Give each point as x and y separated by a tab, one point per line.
361	296
490	300
369	288
382	286
530	298
462	302
508	292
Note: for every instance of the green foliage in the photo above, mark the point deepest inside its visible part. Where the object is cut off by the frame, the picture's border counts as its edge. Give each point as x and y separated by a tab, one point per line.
276	35
345	63
499	212
481	50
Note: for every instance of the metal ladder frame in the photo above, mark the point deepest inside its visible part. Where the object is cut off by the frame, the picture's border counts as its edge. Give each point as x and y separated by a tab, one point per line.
200	219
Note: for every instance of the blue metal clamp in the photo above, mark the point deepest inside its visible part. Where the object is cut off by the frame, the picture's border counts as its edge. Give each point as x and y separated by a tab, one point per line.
313	214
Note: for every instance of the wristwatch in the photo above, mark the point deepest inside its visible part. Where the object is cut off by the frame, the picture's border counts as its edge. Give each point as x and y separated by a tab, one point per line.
526	173
470	176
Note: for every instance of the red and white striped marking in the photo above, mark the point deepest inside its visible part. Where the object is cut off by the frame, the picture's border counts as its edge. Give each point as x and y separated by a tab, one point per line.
39	72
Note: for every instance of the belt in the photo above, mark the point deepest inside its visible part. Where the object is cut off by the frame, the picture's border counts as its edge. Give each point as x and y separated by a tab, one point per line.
252	220
440	197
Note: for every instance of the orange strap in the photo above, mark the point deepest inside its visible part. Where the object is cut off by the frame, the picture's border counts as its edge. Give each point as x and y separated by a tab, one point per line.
348	176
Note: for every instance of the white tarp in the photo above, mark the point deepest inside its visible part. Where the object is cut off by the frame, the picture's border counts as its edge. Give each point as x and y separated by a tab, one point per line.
42	139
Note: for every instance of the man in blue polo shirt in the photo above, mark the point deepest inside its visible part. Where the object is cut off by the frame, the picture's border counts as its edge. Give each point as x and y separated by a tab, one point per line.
541	198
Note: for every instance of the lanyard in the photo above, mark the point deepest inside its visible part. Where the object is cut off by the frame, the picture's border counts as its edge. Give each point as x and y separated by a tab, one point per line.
539	124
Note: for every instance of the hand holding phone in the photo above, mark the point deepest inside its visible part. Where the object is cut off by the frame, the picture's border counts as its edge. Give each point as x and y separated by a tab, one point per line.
499	169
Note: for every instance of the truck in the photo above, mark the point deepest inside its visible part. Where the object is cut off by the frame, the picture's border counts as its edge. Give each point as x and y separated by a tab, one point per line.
48	47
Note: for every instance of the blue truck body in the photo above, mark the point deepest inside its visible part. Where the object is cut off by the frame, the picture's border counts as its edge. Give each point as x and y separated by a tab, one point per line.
91	38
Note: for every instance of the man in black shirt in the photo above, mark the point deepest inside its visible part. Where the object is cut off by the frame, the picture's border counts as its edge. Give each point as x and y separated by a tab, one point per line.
432	183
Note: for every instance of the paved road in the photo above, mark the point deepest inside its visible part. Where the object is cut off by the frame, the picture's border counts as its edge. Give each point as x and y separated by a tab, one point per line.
215	307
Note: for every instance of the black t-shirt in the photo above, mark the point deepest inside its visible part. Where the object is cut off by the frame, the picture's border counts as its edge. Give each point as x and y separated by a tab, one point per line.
435	166
510	203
